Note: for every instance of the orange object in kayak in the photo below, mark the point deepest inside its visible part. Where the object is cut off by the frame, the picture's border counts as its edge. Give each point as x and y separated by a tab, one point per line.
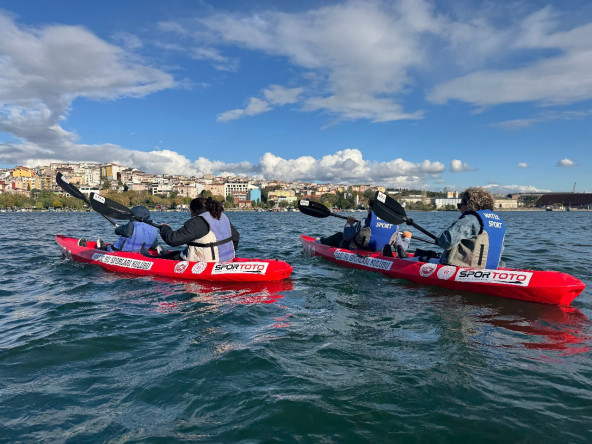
547	287
236	270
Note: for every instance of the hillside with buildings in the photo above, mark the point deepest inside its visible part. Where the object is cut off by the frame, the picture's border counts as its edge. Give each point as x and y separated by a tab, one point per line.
20	186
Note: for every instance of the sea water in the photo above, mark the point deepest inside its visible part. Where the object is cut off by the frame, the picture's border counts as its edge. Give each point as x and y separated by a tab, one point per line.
330	355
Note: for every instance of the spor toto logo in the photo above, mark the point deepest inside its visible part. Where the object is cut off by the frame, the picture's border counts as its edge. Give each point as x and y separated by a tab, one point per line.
199	267
427	269
446	272
181	267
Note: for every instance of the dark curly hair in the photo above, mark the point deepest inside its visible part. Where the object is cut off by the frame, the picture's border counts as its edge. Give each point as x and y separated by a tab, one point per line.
477	198
214	207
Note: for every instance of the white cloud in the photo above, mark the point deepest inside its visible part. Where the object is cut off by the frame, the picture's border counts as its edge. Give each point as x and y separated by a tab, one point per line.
523	165
563	115
349	166
562	76
565	163
458	166
42	70
274	95
360	52
507	189
366	56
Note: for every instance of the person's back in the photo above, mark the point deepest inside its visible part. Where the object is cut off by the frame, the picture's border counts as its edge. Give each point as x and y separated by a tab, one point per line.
374	234
209	235
216	245
136	235
476	239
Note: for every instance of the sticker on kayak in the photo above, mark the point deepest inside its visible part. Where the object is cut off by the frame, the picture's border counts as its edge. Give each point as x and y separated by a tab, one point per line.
446	272
379	264
521	278
427	269
241	267
99	198
381	197
304	203
181	266
199	267
122	261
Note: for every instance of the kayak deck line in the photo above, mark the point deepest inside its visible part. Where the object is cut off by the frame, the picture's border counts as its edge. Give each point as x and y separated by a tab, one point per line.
547	287
236	270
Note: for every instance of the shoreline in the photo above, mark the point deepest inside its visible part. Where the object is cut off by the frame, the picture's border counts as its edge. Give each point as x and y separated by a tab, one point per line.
501	210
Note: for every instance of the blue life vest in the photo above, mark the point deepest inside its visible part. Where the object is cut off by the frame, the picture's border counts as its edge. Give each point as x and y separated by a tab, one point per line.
375	233
217	245
490	239
143	234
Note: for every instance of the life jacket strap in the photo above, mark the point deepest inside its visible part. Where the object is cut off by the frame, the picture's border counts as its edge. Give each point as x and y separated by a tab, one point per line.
211	245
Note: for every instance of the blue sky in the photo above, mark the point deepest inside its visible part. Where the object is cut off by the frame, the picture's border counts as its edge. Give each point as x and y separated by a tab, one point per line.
409	93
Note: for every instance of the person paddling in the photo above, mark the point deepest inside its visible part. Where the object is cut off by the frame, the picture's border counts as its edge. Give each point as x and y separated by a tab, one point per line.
475	239
209	235
372	234
136	235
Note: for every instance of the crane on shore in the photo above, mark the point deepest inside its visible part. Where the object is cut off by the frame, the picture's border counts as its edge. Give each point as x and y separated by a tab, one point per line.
574	188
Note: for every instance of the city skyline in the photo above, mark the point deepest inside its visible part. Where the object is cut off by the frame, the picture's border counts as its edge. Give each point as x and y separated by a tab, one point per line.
405	94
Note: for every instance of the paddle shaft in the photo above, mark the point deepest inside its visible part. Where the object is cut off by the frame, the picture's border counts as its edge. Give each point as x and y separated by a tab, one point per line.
424	231
75	192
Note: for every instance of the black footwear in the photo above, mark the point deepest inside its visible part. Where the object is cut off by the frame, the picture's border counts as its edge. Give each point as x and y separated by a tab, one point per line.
82	242
387	251
401	252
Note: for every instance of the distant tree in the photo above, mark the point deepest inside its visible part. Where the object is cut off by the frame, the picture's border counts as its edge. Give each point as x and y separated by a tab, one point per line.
229	201
106	185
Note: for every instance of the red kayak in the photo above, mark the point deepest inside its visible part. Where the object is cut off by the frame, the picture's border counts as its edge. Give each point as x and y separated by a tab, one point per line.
236	270
547	287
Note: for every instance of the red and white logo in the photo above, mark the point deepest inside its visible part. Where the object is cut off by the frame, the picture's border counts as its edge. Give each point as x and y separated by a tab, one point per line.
199	267
427	269
181	266
446	272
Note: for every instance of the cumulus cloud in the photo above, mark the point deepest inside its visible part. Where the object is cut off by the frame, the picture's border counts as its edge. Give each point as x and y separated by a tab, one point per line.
507	189
523	165
458	166
274	95
560	76
359	52
42	70
365	56
565	163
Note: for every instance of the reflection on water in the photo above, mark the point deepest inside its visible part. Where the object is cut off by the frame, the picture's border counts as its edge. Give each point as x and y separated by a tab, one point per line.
548	327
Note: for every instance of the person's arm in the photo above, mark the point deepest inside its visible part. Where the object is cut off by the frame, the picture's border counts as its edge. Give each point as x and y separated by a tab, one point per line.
125	230
466	228
235	236
192	229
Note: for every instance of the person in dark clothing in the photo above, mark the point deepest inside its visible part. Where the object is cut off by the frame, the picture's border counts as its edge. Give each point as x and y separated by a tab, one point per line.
136	235
209	235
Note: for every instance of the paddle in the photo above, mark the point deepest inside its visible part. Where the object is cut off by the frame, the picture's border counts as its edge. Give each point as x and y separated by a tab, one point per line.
75	192
316	209
390	210
108	207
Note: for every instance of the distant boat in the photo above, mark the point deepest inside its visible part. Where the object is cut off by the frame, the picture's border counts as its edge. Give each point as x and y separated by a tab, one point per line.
548	209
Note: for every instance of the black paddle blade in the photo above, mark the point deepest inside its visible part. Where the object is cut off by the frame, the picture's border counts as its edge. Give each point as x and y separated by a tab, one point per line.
388	209
110	208
313	208
69	188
